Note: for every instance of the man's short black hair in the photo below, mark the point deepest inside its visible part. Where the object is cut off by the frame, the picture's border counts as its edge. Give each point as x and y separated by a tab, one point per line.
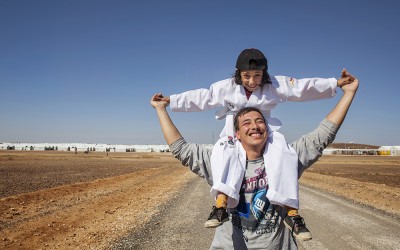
244	111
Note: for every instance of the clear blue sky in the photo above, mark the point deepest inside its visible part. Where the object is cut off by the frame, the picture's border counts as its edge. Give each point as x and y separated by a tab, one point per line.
84	71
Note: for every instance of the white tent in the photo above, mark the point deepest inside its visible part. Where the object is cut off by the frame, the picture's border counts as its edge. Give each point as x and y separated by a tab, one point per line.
81	147
389	150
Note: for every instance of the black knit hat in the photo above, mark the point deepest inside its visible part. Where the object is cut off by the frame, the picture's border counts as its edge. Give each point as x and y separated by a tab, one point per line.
251	59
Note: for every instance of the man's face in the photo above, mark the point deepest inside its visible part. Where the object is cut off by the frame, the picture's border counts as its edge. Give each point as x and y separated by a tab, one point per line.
251	79
252	130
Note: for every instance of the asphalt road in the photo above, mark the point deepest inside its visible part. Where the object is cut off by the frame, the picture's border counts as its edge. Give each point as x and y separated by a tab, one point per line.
340	224
334	222
180	225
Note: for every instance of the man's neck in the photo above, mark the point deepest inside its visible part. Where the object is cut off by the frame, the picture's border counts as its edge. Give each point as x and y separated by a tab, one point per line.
254	153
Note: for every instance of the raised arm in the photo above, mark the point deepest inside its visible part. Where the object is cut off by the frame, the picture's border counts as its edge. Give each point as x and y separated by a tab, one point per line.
171	133
309	147
194	156
338	114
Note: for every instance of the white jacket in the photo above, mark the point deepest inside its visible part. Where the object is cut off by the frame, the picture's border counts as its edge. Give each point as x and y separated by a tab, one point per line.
232	97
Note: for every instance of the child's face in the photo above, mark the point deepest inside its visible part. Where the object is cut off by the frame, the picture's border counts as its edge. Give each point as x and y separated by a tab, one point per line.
251	79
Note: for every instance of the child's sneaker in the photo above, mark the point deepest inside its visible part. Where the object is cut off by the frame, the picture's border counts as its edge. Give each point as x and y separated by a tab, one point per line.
217	217
298	227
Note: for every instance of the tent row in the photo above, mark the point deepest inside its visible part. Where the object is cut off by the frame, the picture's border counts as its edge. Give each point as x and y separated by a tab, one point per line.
83	147
384	150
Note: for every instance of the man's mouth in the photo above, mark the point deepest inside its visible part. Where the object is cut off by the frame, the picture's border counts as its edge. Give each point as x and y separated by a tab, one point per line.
255	135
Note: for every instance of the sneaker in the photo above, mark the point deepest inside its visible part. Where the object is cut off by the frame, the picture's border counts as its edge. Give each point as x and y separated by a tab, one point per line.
217	217
298	227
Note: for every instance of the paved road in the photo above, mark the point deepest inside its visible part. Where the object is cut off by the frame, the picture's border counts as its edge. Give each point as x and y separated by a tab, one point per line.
335	224
180	226
339	224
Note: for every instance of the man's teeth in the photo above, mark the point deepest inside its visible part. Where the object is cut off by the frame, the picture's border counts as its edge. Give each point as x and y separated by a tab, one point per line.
255	135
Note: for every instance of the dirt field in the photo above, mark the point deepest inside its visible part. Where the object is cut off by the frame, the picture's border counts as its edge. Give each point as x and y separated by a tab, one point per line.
59	200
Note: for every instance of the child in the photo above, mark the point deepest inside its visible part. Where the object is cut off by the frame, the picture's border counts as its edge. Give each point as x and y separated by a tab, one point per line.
252	86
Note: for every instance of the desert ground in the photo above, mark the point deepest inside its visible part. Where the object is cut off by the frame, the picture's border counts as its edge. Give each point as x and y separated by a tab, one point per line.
63	200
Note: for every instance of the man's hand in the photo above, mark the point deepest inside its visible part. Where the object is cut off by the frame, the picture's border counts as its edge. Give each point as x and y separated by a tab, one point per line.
164	98
171	133
159	101
346	78
351	87
338	114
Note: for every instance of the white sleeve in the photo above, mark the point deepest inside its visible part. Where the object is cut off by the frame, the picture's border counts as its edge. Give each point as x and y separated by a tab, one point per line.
305	89
200	99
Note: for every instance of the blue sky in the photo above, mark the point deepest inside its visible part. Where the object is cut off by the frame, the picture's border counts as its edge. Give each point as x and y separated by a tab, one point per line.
84	71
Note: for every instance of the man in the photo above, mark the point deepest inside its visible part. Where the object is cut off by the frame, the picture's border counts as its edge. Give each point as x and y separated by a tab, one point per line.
255	223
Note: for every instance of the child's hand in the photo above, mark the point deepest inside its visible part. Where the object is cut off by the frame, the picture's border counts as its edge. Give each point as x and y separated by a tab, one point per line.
164	98
351	87
159	101
346	78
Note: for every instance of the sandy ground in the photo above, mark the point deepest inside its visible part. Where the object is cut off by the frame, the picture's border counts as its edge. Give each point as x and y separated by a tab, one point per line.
370	180
62	200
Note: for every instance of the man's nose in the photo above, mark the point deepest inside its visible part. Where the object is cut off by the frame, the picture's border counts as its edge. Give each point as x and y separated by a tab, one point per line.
254	126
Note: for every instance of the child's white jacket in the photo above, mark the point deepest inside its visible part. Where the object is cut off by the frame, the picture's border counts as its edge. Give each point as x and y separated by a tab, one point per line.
232	97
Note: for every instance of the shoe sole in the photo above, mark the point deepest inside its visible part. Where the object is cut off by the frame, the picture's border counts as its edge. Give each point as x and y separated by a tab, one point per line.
214	223
303	238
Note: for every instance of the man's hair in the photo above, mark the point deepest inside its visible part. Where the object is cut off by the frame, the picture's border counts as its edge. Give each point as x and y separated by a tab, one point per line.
266	79
244	111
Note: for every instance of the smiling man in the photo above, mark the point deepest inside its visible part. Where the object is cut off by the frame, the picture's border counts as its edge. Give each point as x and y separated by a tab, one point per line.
251	130
255	223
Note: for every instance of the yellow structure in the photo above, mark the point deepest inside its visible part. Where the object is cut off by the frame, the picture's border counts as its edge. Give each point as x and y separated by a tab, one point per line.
389	150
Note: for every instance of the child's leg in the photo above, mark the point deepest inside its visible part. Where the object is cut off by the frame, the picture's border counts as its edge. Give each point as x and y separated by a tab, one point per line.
222	191
291	211
227	174
221	201
296	224
218	214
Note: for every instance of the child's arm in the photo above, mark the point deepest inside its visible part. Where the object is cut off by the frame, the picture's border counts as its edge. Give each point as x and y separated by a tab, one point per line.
200	99
308	89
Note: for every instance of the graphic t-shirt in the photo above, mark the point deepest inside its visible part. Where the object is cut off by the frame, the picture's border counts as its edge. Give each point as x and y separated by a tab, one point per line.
254	211
255	223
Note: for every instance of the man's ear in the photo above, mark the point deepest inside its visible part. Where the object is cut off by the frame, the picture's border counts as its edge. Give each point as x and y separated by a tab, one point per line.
237	135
